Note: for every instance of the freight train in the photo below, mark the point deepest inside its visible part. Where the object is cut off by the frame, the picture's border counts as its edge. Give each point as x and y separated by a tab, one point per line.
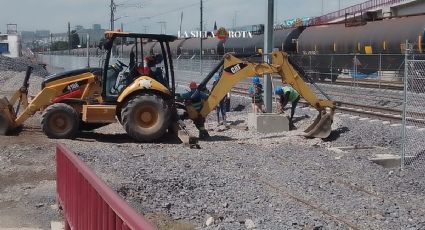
326	49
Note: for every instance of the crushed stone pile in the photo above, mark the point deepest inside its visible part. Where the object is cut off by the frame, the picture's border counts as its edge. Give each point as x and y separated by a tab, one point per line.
20	64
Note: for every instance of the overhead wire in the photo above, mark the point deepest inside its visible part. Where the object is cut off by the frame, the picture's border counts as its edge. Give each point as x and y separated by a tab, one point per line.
165	12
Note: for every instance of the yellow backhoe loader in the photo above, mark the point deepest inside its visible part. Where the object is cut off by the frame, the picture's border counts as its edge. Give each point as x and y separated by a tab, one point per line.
92	97
235	70
144	104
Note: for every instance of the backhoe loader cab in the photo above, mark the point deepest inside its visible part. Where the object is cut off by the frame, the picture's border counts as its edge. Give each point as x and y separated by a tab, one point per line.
117	76
89	98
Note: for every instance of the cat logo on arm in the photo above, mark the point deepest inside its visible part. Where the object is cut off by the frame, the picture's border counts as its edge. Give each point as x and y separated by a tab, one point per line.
235	68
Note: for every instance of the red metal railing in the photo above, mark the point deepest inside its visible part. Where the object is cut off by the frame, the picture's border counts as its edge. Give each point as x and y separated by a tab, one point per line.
87	202
352	10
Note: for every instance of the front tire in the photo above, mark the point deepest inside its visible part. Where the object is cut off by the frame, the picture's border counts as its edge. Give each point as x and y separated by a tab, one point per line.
146	117
60	121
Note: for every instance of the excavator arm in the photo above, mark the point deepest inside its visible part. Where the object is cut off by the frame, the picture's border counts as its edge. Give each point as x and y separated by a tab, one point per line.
236	70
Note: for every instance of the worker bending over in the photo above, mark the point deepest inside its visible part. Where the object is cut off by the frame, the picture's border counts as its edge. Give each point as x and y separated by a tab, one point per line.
196	98
288	94
256	93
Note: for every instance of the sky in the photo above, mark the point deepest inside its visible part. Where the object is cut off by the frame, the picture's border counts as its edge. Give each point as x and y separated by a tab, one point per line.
54	15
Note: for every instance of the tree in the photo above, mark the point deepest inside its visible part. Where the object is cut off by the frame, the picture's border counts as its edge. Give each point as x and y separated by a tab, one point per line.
59	45
75	39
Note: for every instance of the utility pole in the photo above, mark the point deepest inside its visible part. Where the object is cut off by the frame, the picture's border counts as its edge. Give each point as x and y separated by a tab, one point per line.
322	12
88	49
268	47
146	29
122	40
235	15
201	29
51	42
163	24
112	6
69	38
181	22
339	7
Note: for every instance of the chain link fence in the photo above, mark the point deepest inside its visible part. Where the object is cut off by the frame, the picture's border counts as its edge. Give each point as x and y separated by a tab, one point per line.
413	147
381	81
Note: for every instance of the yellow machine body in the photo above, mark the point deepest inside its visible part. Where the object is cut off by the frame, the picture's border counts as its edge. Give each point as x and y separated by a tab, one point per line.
82	91
143	83
236	70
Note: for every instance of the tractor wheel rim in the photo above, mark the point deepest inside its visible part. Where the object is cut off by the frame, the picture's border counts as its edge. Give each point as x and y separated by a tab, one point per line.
147	116
59	123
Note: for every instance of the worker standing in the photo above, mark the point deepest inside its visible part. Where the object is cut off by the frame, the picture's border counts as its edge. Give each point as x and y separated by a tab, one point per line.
288	94
256	93
196	98
221	107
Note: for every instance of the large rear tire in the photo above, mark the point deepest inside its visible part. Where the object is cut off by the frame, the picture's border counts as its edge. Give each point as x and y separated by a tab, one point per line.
60	121
146	117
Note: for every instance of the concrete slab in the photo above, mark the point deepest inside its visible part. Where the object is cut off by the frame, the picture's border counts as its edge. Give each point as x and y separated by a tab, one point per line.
268	122
20	228
388	160
57	225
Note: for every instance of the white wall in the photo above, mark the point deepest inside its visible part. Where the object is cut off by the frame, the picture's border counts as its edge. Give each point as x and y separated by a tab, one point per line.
14	42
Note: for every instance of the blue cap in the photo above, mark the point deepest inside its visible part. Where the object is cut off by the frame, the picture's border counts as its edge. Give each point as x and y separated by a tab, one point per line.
279	90
256	80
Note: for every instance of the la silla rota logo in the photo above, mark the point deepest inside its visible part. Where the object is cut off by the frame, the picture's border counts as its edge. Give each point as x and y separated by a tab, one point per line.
222	34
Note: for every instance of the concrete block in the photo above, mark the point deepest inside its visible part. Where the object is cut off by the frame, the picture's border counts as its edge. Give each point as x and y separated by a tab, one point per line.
57	225
268	122
388	160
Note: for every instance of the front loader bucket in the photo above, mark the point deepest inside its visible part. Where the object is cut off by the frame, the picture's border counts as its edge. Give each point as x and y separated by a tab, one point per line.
321	127
7	116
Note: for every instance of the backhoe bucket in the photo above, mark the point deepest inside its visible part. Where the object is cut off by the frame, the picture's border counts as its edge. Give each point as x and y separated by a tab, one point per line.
7	116
321	127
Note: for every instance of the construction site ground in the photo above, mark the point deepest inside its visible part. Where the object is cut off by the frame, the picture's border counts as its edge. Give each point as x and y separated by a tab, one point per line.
239	179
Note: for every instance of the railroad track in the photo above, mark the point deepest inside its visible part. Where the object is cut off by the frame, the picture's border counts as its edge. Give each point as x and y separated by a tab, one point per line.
370	84
374	112
393	116
366	84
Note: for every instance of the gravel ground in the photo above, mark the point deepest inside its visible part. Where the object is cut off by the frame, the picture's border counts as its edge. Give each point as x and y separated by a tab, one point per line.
276	181
238	179
10	81
27	173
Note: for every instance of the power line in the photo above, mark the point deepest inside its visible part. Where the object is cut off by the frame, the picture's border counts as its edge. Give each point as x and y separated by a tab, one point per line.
166	12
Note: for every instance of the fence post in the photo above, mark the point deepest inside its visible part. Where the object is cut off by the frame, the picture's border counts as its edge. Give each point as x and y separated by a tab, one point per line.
380	69
332	76
403	138
354	70
311	71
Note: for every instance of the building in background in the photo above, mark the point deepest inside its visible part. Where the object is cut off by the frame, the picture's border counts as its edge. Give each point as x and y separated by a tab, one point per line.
10	43
96	33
